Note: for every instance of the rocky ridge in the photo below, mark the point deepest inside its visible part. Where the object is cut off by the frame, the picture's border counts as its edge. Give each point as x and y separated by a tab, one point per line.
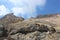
30	29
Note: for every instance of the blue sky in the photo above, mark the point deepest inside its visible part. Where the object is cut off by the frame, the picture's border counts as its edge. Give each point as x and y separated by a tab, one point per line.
28	8
52	6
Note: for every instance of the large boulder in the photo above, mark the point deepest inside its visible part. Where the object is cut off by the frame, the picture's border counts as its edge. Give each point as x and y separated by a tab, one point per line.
3	32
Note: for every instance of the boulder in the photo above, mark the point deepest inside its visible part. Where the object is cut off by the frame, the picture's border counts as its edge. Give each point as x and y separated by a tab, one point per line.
3	32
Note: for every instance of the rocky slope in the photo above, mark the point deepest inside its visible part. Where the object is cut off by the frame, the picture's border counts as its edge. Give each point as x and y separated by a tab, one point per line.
53	18
10	18
41	28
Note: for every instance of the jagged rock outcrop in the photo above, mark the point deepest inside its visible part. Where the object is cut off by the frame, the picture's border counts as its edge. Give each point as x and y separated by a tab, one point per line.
10	18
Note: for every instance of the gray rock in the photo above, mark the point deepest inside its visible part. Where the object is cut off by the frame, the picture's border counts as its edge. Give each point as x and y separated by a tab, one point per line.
35	36
30	36
1	30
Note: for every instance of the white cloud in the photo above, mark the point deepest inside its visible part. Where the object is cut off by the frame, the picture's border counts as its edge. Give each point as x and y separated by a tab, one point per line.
26	6
17	10
28	2
3	10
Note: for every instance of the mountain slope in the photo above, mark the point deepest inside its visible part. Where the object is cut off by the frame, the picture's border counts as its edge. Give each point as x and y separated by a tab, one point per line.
10	18
55	19
42	28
